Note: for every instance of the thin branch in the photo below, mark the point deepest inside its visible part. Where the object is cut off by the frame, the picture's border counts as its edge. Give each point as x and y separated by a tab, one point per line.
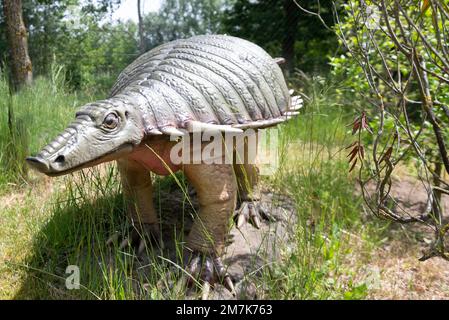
315	14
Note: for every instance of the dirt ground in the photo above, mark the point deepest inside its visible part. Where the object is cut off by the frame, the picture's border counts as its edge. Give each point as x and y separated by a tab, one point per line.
393	270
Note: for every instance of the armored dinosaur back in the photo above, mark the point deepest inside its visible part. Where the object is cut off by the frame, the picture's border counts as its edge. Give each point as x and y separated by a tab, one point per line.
211	79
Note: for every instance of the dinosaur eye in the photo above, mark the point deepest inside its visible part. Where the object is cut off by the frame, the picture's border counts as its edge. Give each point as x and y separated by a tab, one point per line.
111	121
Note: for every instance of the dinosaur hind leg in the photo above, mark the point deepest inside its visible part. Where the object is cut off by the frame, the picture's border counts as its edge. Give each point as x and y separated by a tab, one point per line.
247	176
248	181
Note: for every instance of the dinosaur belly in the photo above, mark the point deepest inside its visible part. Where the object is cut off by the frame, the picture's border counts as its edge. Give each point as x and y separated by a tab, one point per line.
155	158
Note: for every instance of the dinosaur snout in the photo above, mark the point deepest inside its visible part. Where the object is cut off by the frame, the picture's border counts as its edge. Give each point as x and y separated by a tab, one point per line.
46	166
39	164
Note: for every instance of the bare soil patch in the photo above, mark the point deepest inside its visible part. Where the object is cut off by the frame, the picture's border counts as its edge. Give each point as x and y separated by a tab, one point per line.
393	270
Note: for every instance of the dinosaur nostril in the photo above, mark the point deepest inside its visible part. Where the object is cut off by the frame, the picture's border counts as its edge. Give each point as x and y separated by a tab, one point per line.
60	159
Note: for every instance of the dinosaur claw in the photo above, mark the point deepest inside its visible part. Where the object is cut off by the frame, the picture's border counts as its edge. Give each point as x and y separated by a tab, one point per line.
254	216
125	243
137	238
206	290
112	239
142	246
229	285
209	270
256	221
241	220
243	215
227	281
252	211
194	266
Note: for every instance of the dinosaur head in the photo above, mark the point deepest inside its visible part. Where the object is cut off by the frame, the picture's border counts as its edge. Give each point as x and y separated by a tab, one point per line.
102	131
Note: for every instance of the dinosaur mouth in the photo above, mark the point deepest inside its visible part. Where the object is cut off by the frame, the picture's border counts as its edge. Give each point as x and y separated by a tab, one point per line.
44	166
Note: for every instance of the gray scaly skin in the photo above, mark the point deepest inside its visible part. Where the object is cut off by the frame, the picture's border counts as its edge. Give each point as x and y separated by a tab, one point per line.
209	82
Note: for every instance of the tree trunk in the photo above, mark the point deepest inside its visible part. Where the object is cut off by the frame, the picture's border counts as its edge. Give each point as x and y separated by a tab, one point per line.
291	14
46	50
142	46
19	60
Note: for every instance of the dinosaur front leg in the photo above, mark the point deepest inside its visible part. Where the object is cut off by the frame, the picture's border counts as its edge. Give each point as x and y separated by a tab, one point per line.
137	189
216	188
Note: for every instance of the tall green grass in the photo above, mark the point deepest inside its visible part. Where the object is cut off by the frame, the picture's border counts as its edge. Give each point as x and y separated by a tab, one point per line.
31	118
314	173
83	217
72	227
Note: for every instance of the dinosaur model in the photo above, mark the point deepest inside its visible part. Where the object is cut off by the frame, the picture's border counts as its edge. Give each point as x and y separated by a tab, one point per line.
213	83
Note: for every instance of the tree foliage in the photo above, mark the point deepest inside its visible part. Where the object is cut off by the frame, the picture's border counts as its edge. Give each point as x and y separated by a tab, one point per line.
76	33
270	23
179	19
397	69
